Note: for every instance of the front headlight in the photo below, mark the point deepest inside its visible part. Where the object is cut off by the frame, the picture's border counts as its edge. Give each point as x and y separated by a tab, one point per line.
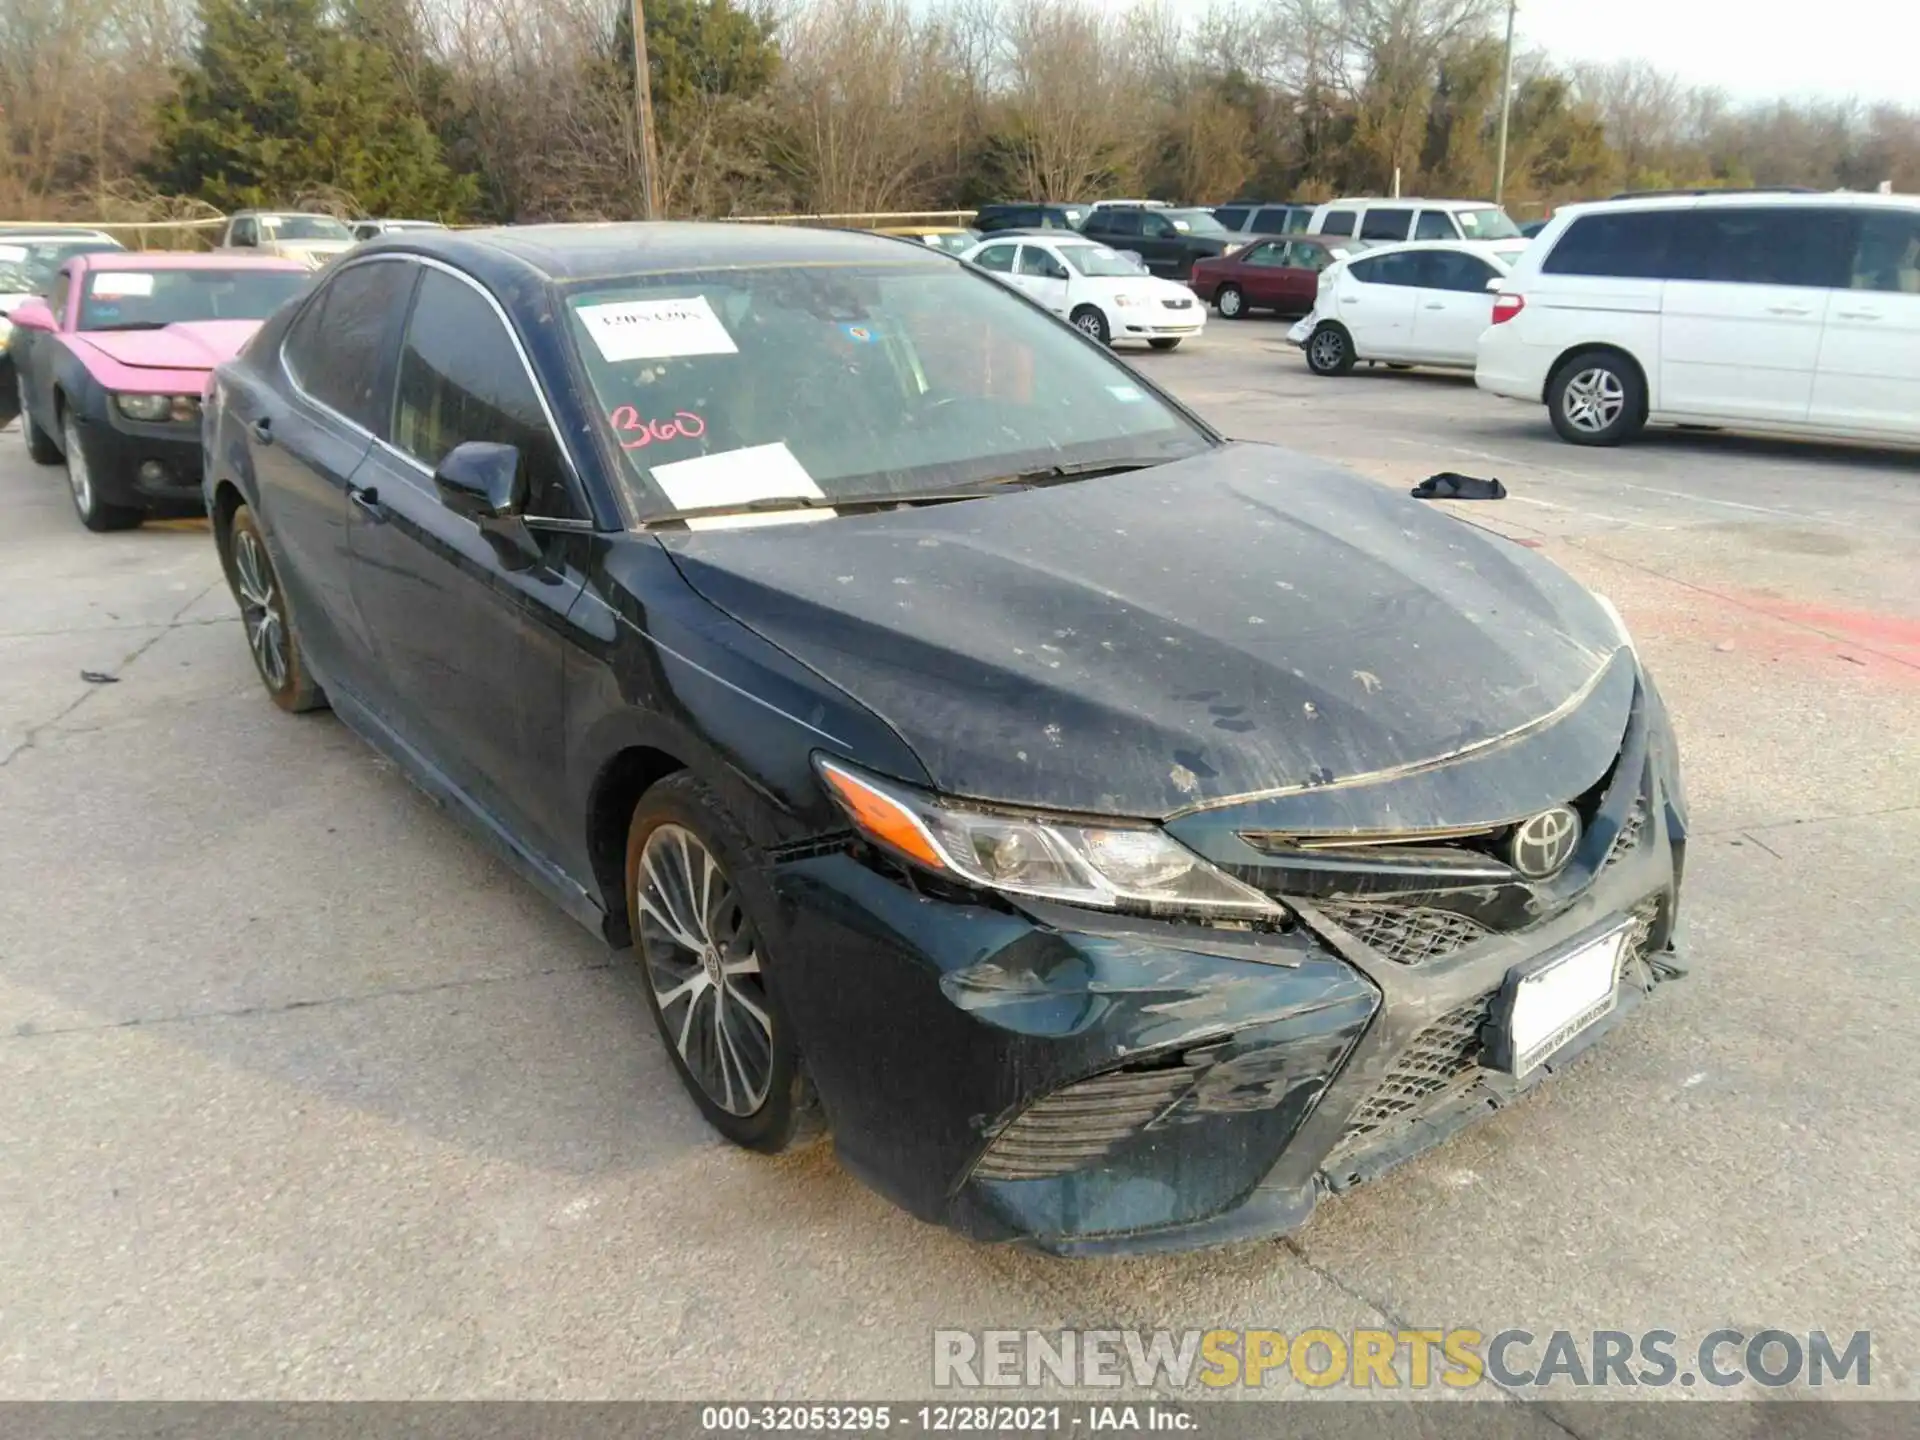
1106	867
1127	302
182	409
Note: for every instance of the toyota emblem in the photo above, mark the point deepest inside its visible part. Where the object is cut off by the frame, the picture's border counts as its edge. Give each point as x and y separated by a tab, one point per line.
1542	846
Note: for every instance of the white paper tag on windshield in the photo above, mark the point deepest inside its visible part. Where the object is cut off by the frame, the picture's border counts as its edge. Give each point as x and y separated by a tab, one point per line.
110	283
12	255
657	329
739	477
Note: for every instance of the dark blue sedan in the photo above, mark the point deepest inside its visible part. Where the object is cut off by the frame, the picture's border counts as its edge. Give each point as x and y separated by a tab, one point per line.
1115	836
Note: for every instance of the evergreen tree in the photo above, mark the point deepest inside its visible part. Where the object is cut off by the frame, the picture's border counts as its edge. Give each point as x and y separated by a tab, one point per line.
283	99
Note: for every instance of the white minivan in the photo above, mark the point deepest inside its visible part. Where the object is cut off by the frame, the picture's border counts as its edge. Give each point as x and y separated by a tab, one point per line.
1797	313
1386	221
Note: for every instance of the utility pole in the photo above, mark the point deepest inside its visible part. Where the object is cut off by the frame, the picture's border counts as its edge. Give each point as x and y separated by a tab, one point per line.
1506	108
643	114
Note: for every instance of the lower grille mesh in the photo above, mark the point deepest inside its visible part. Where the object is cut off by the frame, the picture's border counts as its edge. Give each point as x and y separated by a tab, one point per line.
1082	1124
1445	1053
1446	1056
1406	934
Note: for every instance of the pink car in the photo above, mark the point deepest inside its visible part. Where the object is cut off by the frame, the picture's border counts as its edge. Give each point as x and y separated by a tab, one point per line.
112	363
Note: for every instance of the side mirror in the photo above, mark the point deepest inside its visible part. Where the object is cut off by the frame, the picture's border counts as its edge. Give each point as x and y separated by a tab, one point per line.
33	314
482	481
487	484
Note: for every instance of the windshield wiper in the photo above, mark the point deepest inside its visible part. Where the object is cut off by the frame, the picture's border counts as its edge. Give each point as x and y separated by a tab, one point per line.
887	499
133	325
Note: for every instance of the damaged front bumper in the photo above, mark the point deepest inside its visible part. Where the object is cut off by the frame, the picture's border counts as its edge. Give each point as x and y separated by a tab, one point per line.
1089	1083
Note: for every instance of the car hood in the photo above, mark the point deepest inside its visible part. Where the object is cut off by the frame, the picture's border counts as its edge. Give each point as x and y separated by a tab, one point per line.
1242	621
188	345
311	251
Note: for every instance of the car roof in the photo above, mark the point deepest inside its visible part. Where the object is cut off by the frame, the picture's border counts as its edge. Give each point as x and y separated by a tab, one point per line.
618	249
1723	199
185	260
55	234
1414	200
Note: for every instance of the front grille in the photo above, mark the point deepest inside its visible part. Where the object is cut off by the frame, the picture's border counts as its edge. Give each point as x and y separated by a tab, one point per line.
1628	840
1441	1058
1081	1124
1406	934
1178	304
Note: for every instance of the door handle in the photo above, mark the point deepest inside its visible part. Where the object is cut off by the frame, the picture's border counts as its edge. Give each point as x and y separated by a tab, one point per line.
262	430
1436	306
368	499
1856	315
1786	310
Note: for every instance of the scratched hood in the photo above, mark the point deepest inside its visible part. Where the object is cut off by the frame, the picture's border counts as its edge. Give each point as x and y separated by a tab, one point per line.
188	345
1244	620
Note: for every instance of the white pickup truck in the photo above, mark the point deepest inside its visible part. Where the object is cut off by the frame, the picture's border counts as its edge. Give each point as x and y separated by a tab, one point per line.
291	234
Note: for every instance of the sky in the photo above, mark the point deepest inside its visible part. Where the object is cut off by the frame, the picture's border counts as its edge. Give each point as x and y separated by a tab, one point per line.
1864	48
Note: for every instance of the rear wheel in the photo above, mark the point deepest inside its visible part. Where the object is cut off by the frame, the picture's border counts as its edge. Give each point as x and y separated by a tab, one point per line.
94	512
1091	323
1231	304
1330	351
698	898
40	447
1597	398
1171	342
271	638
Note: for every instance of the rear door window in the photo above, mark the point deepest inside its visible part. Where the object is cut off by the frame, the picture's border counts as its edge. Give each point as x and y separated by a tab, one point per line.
1400	269
1338	222
1233	217
1627	245
1451	270
1382	223
336	347
1271	221
1798	245
1887	254
998	258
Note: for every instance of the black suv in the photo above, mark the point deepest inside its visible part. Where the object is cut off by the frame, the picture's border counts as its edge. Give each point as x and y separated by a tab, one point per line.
1028	215
1167	241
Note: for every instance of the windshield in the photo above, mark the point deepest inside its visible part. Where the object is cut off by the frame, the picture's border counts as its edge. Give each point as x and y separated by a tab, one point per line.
833	380
148	299
28	268
1098	260
1488	224
1195	222
304	227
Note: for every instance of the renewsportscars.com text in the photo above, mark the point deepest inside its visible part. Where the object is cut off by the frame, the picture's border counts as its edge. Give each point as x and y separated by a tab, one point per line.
1412	1359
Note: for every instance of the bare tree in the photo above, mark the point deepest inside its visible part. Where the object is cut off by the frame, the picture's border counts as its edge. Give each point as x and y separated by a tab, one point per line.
1070	125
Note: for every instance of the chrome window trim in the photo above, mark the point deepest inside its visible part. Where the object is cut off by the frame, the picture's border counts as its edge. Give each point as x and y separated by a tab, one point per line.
578	486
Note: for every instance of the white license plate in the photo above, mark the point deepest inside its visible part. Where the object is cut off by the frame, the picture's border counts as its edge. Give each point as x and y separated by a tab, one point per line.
1558	1001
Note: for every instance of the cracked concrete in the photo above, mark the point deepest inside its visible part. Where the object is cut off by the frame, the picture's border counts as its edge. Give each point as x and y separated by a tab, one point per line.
302	1095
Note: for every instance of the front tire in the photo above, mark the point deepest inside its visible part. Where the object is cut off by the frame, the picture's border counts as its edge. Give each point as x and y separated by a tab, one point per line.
1170	342
40	447
271	637
1091	323
698	902
1231	304
94	513
1597	398
1330	350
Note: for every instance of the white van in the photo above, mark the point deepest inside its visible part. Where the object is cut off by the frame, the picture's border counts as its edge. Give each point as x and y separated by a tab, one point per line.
1390	220
1791	312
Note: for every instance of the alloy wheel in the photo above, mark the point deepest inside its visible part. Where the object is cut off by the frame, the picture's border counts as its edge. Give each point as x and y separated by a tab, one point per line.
78	477
1089	325
1594	399
260	609
1328	349
702	958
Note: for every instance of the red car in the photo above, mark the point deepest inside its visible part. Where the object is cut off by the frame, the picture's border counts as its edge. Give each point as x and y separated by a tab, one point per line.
112	362
1280	273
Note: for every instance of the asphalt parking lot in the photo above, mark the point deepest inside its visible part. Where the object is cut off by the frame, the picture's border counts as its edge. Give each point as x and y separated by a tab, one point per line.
302	1095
